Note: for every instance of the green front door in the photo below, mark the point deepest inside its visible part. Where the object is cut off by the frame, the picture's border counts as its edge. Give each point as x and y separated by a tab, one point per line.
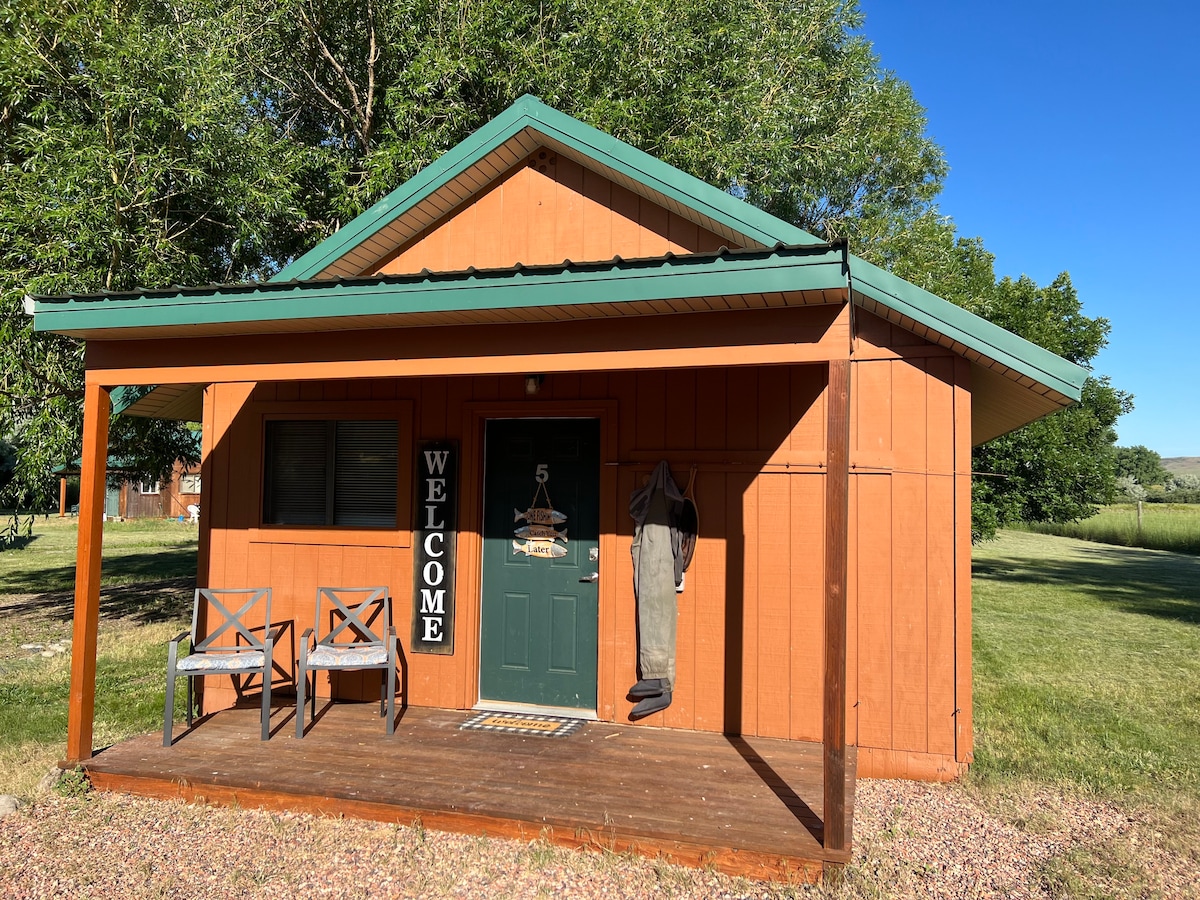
541	524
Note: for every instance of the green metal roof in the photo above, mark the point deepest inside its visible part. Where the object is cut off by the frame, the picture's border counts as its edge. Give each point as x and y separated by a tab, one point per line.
968	329
779	270
792	261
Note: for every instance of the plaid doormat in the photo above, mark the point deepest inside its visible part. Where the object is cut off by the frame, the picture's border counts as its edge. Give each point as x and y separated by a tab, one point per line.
533	724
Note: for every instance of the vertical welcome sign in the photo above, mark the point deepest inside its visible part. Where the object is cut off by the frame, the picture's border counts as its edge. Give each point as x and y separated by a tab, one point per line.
434	538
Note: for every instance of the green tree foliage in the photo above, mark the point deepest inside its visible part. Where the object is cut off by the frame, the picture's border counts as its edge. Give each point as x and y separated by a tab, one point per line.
147	142
1141	464
782	100
131	154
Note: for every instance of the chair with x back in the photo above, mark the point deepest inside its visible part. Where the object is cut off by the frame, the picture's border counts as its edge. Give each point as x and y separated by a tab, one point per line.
232	646
357	634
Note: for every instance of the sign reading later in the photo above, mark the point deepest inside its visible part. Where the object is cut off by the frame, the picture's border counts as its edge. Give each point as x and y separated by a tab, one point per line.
433	547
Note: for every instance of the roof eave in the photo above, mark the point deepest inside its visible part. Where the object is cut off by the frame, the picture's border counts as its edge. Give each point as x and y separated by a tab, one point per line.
784	270
964	327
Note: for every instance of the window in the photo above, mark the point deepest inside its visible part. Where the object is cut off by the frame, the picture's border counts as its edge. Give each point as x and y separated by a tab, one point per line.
189	484
337	472
148	487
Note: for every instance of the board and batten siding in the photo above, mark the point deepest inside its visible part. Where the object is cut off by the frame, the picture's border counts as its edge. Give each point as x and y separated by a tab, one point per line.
750	633
543	212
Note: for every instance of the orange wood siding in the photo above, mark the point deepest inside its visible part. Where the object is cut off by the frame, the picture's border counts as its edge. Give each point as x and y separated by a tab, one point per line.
545	211
683	340
750	634
910	630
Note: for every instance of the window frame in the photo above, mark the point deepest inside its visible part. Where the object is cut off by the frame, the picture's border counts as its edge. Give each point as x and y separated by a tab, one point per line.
327	449
183	483
399	411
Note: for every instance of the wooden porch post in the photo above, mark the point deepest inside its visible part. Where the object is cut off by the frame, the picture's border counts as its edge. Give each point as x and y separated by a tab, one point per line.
837	521
62	496
97	407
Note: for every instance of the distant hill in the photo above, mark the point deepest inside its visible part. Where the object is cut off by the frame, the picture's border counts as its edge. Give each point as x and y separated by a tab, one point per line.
1182	465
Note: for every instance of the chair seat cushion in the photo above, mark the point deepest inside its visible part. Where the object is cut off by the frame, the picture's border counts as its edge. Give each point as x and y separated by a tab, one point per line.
222	662
349	655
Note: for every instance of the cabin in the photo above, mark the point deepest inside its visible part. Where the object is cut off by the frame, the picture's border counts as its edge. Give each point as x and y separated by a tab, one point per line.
129	498
541	316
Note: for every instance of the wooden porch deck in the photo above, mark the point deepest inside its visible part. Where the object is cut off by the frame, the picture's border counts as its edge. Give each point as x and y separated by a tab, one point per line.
746	806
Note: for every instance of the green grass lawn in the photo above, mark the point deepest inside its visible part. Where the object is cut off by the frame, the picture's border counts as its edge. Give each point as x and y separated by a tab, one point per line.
1087	669
1087	678
1164	526
148	572
1086	665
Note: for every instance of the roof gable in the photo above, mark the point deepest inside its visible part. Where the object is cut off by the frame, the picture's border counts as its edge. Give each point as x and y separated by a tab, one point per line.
546	209
507	141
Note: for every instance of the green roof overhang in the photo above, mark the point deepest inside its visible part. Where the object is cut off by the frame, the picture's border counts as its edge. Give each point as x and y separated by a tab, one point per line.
967	329
366	302
354	303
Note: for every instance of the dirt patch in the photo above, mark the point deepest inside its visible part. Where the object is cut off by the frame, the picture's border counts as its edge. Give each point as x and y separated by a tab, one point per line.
912	840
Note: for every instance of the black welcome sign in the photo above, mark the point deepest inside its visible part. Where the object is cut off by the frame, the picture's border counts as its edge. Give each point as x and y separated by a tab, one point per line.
434	537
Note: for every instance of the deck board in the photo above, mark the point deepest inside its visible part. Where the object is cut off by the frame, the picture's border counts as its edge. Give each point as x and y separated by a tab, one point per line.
747	806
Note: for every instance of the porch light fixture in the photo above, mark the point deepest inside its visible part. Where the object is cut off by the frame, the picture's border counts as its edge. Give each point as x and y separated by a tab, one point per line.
533	384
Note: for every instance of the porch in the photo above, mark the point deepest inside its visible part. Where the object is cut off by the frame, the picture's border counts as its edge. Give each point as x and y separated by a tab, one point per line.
746	806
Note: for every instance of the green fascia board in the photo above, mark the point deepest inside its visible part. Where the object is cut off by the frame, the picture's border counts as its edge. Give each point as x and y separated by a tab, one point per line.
968	329
775	271
530	112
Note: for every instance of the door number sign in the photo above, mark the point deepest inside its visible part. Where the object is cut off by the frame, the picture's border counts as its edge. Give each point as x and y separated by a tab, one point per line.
540	536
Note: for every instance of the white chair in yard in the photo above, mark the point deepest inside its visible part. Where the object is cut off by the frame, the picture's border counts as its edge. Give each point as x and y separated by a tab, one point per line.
232	647
194	512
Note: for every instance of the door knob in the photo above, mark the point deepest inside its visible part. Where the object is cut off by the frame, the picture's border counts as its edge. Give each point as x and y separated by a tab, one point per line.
591	579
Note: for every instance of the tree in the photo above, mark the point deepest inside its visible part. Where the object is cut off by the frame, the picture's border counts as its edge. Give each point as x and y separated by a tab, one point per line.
782	100
1141	464
1184	481
147	142
131	154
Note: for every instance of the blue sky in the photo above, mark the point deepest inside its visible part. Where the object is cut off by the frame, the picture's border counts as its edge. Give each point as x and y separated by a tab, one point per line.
1072	130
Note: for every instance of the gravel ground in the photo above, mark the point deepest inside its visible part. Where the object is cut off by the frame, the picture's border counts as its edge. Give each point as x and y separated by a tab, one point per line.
912	841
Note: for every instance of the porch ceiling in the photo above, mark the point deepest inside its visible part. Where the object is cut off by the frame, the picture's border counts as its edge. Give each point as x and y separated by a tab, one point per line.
183	402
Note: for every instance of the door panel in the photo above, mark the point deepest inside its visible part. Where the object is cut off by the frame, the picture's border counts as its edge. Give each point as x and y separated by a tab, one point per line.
539	620
516	631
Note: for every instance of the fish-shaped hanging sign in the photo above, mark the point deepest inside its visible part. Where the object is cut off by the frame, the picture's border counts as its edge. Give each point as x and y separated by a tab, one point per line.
546	549
540	531
537	515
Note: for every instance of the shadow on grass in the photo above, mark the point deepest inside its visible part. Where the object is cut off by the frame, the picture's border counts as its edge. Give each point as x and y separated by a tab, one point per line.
19	543
116	568
1150	583
144	602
